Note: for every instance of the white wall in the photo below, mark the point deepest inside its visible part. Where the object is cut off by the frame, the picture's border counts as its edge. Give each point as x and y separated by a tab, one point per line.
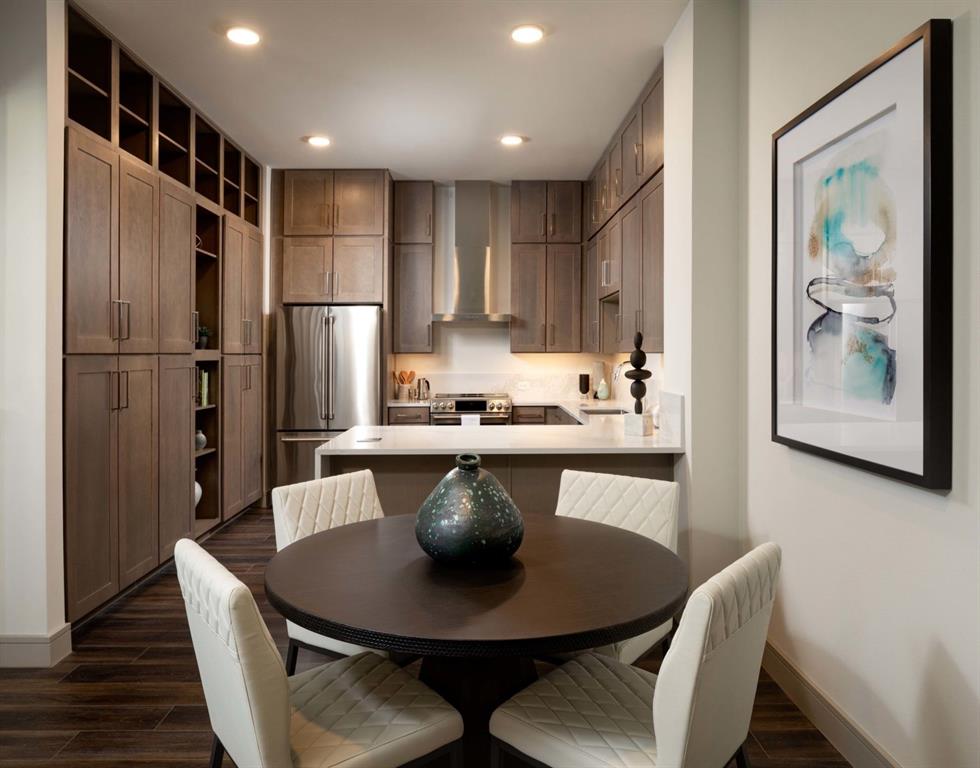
701	274
31	190
879	600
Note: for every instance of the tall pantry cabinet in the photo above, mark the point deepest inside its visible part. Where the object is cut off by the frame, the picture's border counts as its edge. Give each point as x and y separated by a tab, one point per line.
154	199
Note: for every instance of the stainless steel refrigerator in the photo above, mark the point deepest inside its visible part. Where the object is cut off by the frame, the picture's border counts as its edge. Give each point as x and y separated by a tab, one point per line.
328	379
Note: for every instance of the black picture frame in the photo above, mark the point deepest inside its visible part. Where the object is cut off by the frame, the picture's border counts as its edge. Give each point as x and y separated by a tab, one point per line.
937	259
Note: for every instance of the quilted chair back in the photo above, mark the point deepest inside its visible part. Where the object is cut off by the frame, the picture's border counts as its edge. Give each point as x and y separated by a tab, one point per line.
306	508
637	504
244	680
704	693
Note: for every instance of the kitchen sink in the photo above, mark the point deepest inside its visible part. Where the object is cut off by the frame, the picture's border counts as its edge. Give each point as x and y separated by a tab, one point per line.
596	411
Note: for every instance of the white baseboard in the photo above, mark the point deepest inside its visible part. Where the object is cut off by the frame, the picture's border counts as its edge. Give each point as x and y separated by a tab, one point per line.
857	747
35	650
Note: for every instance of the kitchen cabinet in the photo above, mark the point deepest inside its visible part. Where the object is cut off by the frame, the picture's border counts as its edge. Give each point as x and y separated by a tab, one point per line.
307	263
412	306
359	202
178	386
602	179
139	549
358	270
241	289
177	280
528	211
91	246
408	415
241	434
652	111
652	265
564	298
528	414
139	298
615	171
528	297
590	298
414	201
610	257
308	202
631	147
91	479
564	211
630	292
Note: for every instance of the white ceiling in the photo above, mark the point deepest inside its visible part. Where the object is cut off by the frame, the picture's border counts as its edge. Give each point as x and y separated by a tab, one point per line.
423	87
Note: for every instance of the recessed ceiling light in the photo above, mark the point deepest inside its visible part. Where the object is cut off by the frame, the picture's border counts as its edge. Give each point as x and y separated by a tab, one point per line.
243	36
317	141
512	140
527	34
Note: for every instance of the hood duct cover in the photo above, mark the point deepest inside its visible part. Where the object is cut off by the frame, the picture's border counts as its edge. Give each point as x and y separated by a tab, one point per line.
472	273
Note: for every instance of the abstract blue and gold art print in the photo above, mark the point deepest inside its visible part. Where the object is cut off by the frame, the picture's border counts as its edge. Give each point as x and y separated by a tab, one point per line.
861	263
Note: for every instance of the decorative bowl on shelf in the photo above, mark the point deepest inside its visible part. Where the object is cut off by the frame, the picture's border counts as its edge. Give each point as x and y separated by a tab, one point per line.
469	519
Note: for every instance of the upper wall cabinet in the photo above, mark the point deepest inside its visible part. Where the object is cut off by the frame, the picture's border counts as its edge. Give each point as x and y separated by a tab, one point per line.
652	115
308	203
546	212
414	202
631	143
359	202
241	288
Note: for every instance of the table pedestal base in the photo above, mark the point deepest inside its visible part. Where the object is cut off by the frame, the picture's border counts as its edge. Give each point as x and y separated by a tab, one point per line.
476	687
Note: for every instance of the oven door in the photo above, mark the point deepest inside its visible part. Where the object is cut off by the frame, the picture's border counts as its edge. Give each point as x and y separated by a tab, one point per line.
454	419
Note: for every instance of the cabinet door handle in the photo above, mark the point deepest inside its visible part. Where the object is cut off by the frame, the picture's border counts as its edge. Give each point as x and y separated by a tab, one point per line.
195	325
336	216
638	158
428	333
113	390
544	217
336	284
115	313
193	373
123	389
554	219
619	182
552	333
428	224
544	334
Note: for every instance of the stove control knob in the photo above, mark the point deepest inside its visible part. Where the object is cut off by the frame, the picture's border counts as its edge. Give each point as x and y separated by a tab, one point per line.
451	405
494	406
438	406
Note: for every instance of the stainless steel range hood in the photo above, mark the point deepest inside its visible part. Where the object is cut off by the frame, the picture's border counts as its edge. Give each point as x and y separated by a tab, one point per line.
468	258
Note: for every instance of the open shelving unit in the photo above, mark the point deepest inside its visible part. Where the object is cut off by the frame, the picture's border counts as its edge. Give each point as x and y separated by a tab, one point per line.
250	191
233	179
207	160
174	136
135	109
207	467
89	76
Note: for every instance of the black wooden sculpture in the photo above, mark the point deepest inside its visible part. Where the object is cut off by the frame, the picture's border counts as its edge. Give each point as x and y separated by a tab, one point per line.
638	373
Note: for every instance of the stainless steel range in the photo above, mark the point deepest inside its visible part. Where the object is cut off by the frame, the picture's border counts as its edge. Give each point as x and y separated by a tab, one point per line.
448	409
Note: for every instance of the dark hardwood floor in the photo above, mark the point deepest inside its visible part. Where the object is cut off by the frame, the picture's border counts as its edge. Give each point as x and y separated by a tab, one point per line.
129	695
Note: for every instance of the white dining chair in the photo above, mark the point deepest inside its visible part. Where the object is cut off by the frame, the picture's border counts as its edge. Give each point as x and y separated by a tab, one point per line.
303	509
594	711
637	504
360	712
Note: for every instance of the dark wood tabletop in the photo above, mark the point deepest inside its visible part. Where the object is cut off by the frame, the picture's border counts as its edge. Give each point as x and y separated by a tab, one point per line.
572	585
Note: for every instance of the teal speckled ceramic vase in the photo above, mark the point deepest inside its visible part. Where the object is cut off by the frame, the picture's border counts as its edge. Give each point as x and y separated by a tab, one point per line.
469	519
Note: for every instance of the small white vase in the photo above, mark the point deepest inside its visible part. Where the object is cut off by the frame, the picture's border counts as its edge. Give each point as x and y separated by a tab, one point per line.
200	440
198	493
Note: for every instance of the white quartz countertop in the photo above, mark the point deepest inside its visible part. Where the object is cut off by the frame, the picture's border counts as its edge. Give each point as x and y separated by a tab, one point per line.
596	434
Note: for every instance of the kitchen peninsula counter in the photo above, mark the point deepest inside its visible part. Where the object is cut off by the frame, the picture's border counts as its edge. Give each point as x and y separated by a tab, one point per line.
408	461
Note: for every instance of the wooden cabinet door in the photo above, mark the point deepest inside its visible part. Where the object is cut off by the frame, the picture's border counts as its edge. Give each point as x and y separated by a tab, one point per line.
615	176
653	131
632	153
528	297
308	203
91	246
91	480
306	266
178	379
139	264
610	254
629	294
233	377
359	202
564	211
252	430
652	291
232	286
590	298
564	302
358	270
528	211
252	292
177	225
604	203
139	430
414	202
412	308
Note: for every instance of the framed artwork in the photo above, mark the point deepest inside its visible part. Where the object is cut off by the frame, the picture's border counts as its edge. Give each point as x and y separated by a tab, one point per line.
862	267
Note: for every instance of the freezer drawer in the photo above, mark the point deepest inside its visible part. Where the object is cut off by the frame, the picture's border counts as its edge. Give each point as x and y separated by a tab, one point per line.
295	455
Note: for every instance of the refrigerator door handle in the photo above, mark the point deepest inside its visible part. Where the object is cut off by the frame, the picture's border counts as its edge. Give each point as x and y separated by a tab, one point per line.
322	368
333	371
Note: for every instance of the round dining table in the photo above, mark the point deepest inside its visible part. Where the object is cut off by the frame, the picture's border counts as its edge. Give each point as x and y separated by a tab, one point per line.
573	585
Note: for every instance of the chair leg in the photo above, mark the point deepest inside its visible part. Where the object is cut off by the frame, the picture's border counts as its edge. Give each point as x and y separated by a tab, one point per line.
291	652
217	753
742	759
